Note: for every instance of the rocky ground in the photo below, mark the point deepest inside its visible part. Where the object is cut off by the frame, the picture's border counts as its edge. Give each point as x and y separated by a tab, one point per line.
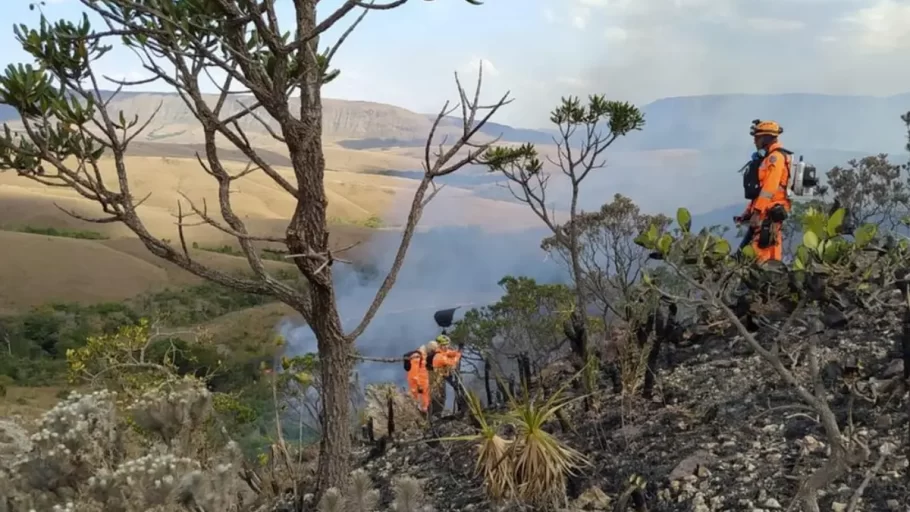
724	433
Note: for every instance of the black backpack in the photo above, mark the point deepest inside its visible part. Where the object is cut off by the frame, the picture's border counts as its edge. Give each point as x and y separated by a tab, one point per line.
751	184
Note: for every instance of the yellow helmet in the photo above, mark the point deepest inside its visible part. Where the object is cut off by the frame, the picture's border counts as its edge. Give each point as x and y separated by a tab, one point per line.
443	340
760	127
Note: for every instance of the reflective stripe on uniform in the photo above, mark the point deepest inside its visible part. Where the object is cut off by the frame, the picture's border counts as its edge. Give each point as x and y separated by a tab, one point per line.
766	194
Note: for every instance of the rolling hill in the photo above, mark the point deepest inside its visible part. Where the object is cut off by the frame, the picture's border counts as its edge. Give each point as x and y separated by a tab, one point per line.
708	122
342	121
684	157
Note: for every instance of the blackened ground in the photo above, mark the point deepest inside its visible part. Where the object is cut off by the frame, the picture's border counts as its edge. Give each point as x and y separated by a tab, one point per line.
723	433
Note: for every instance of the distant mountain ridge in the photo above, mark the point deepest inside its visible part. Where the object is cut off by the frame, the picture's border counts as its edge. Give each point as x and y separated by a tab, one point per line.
863	124
366	124
811	121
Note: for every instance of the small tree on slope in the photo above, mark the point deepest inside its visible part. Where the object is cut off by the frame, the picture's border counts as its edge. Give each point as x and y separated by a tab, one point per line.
832	269
586	131
67	128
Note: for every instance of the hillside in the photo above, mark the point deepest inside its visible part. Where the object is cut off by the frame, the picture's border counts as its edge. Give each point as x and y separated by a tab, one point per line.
708	122
354	123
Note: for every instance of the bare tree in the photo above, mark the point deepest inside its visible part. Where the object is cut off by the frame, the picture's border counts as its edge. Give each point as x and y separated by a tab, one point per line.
610	260
585	133
67	129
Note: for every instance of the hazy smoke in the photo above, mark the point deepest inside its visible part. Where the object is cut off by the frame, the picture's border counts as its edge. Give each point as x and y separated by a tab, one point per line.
445	267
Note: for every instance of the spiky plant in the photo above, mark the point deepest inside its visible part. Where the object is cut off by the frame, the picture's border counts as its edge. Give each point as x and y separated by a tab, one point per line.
362	497
409	496
633	364
540	461
332	501
493	462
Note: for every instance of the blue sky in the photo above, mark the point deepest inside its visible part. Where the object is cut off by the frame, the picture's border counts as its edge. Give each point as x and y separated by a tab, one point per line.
637	50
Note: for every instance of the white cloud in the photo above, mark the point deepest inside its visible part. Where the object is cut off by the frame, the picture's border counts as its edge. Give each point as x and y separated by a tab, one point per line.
549	15
473	65
580	17
774	24
579	22
574	82
882	27
616	34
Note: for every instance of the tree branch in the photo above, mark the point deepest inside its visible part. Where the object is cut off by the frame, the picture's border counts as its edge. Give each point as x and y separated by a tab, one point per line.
440	167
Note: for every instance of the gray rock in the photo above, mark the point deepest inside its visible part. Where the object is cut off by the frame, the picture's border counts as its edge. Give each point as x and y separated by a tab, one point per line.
772	504
690	465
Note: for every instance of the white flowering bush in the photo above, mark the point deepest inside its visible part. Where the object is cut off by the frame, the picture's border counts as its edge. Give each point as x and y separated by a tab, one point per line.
159	480
13	441
76	460
74	439
174	413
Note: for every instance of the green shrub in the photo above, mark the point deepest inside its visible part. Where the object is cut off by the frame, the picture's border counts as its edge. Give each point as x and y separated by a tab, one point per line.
62	232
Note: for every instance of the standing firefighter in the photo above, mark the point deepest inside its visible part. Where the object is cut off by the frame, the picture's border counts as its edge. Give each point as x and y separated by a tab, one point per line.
415	363
765	182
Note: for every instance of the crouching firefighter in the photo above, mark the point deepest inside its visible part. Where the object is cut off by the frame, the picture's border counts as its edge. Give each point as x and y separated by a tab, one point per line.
765	181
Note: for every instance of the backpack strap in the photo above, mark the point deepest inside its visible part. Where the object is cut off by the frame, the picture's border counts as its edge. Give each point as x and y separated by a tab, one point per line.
788	161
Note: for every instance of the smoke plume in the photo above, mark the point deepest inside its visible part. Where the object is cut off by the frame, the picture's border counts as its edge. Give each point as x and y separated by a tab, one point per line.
445	267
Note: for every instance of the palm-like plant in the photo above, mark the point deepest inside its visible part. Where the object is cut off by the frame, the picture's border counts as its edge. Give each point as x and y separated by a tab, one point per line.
533	467
493	461
541	462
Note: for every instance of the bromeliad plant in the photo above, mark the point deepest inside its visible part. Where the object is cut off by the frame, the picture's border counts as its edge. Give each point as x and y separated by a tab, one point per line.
531	468
541	461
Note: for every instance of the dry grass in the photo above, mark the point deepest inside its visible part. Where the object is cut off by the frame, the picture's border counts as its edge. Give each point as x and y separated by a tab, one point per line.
29	403
531	468
354	197
38	268
493	462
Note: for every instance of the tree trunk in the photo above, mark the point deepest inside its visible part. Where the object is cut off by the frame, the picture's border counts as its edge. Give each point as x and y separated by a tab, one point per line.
653	327
335	447
307	234
486	381
581	308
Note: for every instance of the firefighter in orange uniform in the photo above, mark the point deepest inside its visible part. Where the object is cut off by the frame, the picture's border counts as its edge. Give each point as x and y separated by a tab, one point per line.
428	369
765	183
442	363
415	364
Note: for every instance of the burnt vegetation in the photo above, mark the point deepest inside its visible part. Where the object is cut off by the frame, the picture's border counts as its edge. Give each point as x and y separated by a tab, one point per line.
666	372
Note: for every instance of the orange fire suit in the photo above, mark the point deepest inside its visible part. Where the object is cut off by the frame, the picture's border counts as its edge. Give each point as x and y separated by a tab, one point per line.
445	360
419	364
418	378
774	177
